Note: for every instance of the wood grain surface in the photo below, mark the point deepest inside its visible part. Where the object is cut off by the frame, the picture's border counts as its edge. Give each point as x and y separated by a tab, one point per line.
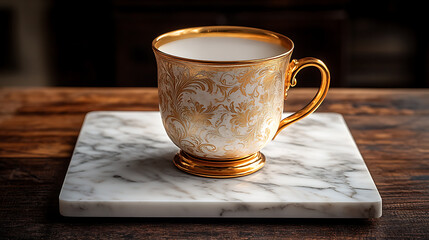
39	127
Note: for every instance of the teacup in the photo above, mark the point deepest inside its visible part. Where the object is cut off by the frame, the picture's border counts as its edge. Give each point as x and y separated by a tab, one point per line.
222	91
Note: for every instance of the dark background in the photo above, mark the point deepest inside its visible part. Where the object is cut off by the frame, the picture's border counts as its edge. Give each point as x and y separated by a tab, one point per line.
108	43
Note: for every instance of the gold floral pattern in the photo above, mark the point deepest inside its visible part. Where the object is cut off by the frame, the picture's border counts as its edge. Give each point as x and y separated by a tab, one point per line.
218	111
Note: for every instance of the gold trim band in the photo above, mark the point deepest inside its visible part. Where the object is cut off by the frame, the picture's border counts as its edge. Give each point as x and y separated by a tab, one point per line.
224	31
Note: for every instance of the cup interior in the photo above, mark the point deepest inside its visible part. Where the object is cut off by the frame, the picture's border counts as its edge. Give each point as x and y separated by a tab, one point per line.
181	44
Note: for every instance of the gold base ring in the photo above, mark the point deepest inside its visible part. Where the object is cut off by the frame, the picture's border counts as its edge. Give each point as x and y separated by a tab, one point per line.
218	168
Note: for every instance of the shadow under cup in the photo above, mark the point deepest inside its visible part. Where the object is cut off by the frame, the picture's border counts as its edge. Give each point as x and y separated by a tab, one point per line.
221	91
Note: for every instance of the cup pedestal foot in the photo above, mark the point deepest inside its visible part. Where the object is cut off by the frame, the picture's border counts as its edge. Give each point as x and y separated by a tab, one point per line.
218	168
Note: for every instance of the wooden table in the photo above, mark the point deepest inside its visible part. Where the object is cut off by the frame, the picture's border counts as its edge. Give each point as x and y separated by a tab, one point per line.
39	127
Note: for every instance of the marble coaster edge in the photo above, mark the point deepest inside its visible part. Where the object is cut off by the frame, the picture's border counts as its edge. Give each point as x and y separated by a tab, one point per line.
224	210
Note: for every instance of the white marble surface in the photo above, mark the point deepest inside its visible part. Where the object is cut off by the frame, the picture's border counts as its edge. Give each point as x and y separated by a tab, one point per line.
122	167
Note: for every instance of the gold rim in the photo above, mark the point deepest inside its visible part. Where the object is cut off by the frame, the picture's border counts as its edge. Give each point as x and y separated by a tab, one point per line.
230	31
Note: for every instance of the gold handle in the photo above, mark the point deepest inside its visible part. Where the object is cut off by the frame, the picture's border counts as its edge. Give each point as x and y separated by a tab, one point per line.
294	67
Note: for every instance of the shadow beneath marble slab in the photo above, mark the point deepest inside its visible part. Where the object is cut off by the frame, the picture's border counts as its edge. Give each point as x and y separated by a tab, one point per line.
211	228
256	228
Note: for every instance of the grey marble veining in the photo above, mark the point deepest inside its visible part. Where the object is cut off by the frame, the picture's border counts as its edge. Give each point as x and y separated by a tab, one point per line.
122	167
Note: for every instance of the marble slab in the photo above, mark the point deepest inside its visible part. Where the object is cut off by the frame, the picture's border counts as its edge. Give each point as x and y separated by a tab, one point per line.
122	167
